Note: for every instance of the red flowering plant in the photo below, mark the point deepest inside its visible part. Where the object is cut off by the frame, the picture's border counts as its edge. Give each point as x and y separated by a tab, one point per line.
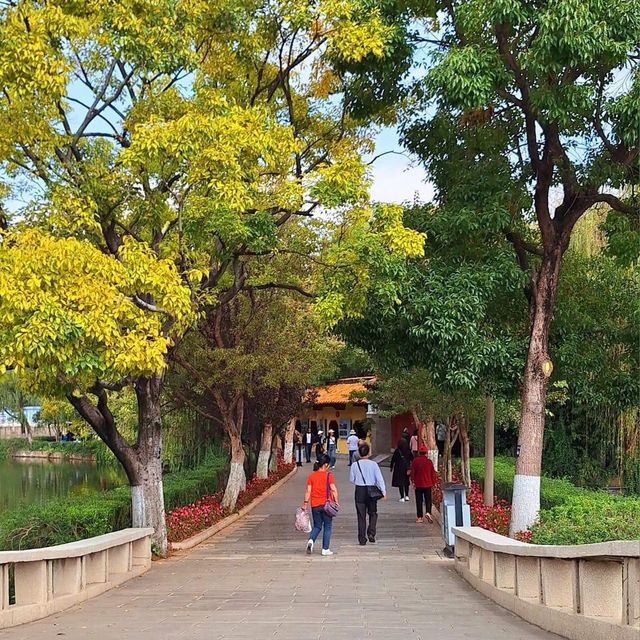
184	522
493	517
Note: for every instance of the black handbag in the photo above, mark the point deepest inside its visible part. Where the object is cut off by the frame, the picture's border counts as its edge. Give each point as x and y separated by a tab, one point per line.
373	490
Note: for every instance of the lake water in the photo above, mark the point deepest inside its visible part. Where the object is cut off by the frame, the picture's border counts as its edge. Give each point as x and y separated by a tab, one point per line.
31	480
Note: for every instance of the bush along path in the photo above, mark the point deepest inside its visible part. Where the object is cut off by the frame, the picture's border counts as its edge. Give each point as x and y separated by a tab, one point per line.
186	521
569	514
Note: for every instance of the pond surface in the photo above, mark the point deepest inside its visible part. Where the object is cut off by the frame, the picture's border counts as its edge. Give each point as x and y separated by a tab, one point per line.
36	481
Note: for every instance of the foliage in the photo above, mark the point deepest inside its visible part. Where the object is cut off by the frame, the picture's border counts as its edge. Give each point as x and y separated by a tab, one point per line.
67	520
570	514
585	520
457	314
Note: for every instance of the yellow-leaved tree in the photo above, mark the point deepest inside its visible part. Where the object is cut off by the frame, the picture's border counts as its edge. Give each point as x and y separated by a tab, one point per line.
158	149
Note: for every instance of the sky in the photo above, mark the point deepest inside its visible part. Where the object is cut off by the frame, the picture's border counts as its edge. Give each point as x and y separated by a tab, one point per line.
397	177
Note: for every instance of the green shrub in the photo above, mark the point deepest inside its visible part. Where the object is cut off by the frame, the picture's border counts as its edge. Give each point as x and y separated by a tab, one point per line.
569	514
585	520
67	520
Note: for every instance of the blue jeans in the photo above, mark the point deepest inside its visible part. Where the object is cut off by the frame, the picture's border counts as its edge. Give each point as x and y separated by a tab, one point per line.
321	521
332	454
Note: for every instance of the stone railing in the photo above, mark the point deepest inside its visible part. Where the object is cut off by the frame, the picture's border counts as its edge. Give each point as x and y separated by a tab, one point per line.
581	592
38	582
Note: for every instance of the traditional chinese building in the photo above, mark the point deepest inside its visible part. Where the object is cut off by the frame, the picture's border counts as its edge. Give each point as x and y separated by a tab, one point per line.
342	405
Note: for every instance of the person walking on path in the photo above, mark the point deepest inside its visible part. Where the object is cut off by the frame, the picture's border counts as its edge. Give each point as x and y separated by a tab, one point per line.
297	440
366	473
423	478
413	444
400	465
352	444
320	486
331	447
308	441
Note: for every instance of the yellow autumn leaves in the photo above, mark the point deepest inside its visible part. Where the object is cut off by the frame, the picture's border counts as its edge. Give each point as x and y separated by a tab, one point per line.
68	311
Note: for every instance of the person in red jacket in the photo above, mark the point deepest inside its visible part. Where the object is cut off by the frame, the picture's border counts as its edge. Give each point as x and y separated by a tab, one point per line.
423	478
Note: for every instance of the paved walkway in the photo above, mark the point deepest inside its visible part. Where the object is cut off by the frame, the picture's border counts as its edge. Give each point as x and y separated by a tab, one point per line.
254	581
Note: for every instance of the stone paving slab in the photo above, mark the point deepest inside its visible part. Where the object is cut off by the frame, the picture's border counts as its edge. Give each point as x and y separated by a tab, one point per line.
254	581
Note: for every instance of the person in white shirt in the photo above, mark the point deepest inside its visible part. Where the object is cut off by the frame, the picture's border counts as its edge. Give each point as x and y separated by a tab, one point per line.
352	444
364	474
307	444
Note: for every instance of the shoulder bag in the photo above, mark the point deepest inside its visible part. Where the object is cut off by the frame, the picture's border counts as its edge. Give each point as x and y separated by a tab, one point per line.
331	507
373	490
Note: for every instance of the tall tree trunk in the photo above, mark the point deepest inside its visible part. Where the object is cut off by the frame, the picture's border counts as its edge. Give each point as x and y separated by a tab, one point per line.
26	429
449	441
141	462
288	440
276	441
526	483
427	436
265	450
464	450
237	480
489	448
147	496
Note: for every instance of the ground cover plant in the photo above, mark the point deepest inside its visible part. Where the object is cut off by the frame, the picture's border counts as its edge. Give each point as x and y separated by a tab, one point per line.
569	514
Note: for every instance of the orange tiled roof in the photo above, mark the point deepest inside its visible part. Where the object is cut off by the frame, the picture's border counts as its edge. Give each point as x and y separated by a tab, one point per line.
340	392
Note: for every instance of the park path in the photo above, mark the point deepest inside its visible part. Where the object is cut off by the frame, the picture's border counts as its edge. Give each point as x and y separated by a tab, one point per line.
254	581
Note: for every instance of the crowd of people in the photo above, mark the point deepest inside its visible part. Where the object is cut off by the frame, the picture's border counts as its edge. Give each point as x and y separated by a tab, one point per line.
409	466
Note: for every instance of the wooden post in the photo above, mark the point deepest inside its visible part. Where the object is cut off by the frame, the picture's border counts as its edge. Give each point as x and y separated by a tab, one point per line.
489	441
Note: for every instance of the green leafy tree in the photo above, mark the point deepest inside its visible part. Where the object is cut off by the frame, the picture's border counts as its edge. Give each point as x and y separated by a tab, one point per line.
160	147
534	107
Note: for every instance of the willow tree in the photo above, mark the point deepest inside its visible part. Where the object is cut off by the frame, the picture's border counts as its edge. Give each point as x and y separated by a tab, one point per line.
182	133
546	96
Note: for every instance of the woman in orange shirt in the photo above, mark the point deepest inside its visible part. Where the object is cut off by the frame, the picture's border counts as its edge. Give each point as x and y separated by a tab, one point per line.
316	496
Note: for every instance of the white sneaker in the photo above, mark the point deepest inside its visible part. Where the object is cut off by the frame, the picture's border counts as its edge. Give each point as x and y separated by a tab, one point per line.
401	500
406	499
327	552
310	546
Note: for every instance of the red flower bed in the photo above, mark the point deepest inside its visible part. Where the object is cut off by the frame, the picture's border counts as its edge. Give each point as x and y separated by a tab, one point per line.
184	522
493	518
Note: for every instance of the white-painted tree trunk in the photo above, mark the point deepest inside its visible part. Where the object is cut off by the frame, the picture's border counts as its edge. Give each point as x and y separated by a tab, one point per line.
147	506
526	493
262	470
235	484
288	440
432	454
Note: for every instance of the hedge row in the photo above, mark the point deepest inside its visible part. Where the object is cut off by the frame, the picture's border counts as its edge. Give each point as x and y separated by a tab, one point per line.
570	514
93	448
67	520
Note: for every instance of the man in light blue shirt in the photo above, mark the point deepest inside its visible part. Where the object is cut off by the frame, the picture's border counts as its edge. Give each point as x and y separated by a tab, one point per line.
352	444
366	473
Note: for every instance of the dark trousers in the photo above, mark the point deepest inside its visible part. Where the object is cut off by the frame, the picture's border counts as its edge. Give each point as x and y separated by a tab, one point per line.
423	494
366	506
404	490
298	454
352	452
307	451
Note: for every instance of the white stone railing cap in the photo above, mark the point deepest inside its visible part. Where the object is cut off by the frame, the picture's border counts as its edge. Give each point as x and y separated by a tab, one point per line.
501	544
76	549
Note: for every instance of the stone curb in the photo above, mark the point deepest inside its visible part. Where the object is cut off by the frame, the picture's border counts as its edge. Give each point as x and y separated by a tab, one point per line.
189	543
